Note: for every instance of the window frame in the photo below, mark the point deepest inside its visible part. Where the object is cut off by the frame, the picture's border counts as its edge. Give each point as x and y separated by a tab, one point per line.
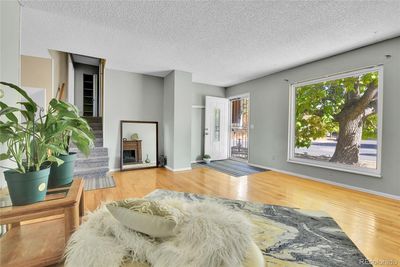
330	165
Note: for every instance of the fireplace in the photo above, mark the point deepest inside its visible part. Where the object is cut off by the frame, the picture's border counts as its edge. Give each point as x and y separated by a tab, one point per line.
132	151
129	156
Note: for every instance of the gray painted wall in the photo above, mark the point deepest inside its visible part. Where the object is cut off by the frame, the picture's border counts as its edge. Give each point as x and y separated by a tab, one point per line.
199	92
130	96
168	124
81	69
269	100
177	119
182	119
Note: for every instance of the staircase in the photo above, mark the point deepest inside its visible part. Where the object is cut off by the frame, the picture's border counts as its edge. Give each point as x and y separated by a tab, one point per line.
96	165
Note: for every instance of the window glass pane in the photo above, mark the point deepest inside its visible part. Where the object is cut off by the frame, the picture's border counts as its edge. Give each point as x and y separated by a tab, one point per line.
217	120
336	121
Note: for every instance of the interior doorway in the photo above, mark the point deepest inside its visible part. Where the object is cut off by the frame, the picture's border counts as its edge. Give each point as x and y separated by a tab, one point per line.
239	127
88	85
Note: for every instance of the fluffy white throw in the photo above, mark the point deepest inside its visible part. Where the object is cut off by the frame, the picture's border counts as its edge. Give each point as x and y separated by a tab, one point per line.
210	235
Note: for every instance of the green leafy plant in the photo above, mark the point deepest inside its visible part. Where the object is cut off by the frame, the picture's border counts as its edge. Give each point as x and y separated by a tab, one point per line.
26	145
64	125
35	142
206	156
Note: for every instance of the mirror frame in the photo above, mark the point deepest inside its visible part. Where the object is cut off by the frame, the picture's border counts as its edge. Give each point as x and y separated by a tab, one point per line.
121	144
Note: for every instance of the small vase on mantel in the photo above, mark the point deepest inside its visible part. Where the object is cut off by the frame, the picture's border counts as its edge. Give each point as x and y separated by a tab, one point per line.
147	159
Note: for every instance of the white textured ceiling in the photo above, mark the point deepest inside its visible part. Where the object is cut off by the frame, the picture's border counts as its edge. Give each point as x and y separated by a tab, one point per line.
221	43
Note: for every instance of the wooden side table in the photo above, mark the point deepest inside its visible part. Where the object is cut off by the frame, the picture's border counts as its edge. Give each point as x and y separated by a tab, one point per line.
42	242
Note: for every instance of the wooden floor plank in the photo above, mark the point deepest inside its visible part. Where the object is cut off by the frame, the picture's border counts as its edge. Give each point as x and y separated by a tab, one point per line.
372	222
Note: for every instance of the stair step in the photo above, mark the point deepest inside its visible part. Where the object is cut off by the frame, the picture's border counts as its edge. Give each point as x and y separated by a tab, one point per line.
98	133
96	152
91	172
98	142
96	126
91	162
93	119
95	123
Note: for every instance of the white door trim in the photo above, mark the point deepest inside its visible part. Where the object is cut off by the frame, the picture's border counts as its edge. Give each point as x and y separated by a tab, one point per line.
71	81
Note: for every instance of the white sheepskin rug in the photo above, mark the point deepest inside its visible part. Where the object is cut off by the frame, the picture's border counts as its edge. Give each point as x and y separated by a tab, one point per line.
210	235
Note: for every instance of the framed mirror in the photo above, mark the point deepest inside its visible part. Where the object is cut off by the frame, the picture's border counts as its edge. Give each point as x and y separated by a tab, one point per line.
139	145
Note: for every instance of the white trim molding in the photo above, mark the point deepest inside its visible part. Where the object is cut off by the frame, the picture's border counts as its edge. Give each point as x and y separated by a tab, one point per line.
355	188
178	169
330	165
198	106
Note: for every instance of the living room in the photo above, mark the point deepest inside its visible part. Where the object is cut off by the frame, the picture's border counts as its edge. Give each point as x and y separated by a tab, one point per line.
279	117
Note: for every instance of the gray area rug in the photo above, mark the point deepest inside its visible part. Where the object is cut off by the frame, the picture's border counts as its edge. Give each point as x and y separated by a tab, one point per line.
99	183
287	236
230	167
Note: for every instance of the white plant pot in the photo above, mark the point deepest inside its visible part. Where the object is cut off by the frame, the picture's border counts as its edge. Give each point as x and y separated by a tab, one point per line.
208	161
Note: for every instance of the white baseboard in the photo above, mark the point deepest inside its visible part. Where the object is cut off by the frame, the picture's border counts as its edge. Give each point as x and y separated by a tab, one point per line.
396	197
177	170
167	167
197	161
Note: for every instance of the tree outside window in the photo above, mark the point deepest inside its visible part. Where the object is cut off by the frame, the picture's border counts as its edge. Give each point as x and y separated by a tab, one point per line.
335	121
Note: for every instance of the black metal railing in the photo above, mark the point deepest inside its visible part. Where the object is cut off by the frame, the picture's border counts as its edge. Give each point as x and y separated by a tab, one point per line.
239	143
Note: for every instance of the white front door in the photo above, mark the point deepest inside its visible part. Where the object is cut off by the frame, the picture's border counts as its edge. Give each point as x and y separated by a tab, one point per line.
216	127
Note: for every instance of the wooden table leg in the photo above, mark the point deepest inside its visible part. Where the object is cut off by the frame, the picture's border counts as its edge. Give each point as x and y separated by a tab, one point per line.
82	205
71	217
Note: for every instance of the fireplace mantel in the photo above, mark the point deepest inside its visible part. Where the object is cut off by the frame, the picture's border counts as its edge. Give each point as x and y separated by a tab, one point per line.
134	146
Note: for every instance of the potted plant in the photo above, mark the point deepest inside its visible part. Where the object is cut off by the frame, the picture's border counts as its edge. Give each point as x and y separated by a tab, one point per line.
64	126
28	148
207	158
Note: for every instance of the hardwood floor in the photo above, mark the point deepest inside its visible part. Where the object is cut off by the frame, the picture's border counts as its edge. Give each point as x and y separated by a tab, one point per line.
372	222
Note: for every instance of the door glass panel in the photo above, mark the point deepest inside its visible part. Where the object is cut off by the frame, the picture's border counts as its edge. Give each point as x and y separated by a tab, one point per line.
217	128
239	128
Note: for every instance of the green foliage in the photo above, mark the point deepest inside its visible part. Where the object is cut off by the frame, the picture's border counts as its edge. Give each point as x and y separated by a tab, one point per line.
370	127
318	104
64	125
34	143
25	142
206	156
